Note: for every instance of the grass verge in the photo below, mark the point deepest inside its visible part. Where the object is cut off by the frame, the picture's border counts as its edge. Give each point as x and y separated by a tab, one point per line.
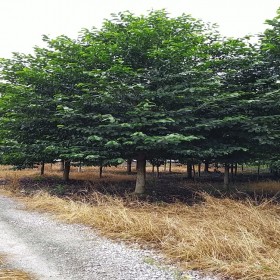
237	239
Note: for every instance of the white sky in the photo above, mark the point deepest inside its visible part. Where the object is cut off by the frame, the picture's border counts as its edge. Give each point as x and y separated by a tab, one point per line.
23	22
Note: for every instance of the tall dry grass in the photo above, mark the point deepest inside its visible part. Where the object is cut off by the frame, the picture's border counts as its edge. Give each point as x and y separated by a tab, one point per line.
224	236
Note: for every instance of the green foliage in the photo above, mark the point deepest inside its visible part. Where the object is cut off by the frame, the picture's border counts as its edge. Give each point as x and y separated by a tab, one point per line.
59	190
275	167
150	87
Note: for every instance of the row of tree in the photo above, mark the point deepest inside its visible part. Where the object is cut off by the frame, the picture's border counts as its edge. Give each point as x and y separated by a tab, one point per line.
146	88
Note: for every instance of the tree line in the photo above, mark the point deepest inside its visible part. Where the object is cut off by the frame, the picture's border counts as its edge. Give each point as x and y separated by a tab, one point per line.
147	87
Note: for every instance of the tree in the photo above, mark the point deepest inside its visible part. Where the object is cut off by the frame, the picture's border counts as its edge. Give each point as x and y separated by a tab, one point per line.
270	52
146	88
25	118
153	69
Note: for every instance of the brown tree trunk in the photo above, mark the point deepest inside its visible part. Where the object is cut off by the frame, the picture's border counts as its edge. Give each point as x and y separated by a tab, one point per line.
226	175
66	171
42	169
128	166
157	171
206	166
199	169
259	167
189	171
170	166
194	173
153	169
100	171
235	169
231	171
141	174
165	166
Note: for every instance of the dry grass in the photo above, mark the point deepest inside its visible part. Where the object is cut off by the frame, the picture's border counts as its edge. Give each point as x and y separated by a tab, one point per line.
221	235
8	274
233	238
12	274
88	173
268	186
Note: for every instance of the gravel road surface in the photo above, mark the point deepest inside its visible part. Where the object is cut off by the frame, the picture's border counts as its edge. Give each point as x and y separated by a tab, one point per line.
50	249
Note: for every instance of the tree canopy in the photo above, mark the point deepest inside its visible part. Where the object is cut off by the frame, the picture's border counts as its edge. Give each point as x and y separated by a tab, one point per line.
143	87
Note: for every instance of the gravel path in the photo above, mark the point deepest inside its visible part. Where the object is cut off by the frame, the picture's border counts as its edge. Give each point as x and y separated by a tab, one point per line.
50	249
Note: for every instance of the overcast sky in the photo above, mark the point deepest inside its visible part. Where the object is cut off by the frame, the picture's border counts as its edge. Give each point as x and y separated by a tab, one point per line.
23	22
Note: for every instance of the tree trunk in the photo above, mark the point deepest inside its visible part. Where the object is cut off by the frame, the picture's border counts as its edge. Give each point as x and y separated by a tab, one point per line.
170	166
259	167
141	174
80	167
100	171
189	171
231	171
165	166
226	175
128	166
61	168
157	171
242	168
199	169
206	166
194	173
42	169
153	169
66	170
235	169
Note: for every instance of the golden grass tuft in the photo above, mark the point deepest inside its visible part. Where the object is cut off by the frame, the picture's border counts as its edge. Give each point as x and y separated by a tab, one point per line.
224	236
12	274
8	274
